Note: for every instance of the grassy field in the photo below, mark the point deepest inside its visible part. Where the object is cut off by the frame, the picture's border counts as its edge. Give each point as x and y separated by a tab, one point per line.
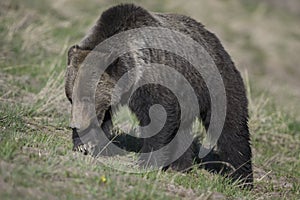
36	161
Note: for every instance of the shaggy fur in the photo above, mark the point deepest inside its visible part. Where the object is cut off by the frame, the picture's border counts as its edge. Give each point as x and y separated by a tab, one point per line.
233	146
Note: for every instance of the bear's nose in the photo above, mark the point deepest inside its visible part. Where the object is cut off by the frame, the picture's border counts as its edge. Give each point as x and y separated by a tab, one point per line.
75	131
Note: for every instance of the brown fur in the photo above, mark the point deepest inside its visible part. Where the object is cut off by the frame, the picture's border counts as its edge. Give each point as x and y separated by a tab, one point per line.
233	145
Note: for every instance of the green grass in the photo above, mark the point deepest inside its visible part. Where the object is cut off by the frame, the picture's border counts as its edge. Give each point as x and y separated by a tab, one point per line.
36	161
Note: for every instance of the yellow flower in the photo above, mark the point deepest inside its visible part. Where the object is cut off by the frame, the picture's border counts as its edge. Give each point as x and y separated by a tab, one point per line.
103	179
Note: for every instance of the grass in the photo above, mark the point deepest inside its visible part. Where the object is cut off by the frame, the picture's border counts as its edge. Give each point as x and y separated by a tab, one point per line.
36	161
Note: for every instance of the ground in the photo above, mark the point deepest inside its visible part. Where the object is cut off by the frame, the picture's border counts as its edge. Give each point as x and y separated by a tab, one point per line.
36	161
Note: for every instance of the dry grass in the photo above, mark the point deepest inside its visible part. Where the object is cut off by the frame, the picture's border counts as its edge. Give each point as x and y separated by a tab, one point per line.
35	157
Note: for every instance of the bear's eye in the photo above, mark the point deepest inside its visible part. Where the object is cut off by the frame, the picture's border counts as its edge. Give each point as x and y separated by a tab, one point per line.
68	61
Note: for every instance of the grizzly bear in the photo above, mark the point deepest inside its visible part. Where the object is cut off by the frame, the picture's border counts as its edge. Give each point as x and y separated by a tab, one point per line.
230	156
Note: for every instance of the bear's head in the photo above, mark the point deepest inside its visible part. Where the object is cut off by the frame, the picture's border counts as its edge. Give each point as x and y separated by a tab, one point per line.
84	109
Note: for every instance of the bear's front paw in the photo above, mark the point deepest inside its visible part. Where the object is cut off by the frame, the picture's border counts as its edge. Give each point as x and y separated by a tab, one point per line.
81	148
78	144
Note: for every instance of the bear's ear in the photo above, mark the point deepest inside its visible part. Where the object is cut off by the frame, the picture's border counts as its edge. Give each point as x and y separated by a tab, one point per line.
76	55
72	50
117	19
